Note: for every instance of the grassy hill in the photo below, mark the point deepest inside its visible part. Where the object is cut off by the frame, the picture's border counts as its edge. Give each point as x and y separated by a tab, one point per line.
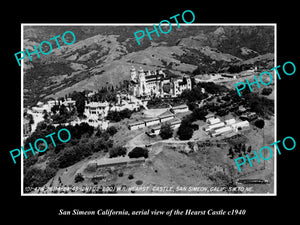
104	54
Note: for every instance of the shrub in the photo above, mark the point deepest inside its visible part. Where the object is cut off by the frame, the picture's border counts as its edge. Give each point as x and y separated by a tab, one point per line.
166	131
78	178
117	151
266	91
259	123
130	177
138	152
112	130
118	116
139	182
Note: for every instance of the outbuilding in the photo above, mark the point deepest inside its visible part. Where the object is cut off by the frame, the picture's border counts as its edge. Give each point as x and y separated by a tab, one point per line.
240	125
136	125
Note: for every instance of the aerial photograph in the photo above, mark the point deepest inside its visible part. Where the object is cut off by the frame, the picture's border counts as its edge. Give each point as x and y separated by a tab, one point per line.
161	116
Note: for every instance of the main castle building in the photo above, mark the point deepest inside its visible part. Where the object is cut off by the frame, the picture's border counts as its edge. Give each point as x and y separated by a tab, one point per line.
155	83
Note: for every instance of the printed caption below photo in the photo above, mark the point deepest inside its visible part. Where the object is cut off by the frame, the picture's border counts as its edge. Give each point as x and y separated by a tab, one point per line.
153	212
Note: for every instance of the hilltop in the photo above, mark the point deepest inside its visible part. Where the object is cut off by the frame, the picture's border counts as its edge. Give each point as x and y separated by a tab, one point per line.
102	55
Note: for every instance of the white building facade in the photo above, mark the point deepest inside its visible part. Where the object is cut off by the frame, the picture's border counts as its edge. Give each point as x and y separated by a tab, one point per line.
155	83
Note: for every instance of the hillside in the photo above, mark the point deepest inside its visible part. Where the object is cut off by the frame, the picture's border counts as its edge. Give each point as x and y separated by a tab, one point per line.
103	55
170	166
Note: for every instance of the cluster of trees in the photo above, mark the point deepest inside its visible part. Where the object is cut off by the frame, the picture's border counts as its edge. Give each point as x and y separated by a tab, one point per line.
85	140
238	68
238	150
186	128
185	131
196	57
259	104
117	151
116	116
196	94
107	93
163	103
79	98
61	114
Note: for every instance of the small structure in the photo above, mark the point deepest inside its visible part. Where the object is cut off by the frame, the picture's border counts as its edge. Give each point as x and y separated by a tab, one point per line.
103	162
215	126
209	116
228	75
250	116
166	117
241	110
179	109
175	123
230	121
154	131
136	125
26	127
221	131
213	120
69	102
240	125
97	108
152	121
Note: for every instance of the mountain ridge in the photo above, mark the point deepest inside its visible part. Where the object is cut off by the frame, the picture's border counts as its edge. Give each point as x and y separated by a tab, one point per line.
103	55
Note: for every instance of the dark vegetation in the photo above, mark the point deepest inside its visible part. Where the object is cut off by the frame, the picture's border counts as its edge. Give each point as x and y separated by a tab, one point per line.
117	151
166	131
259	123
164	102
138	152
204	63
227	101
116	116
239	150
38	82
78	178
85	140
266	91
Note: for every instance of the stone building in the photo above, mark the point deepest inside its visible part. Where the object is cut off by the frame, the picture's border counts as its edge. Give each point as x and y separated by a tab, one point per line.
156	83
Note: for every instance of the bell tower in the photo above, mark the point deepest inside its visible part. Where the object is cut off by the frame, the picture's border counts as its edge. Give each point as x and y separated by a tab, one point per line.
133	76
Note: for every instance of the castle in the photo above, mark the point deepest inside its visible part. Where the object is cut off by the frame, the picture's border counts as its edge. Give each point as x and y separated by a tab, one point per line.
156	84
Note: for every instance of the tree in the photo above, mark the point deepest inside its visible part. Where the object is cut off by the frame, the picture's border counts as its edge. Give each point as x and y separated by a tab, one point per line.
185	131
46	116
117	151
199	114
78	178
259	123
138	152
249	149
231	153
54	109
112	130
79	98
166	131
243	148
63	110
30	117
